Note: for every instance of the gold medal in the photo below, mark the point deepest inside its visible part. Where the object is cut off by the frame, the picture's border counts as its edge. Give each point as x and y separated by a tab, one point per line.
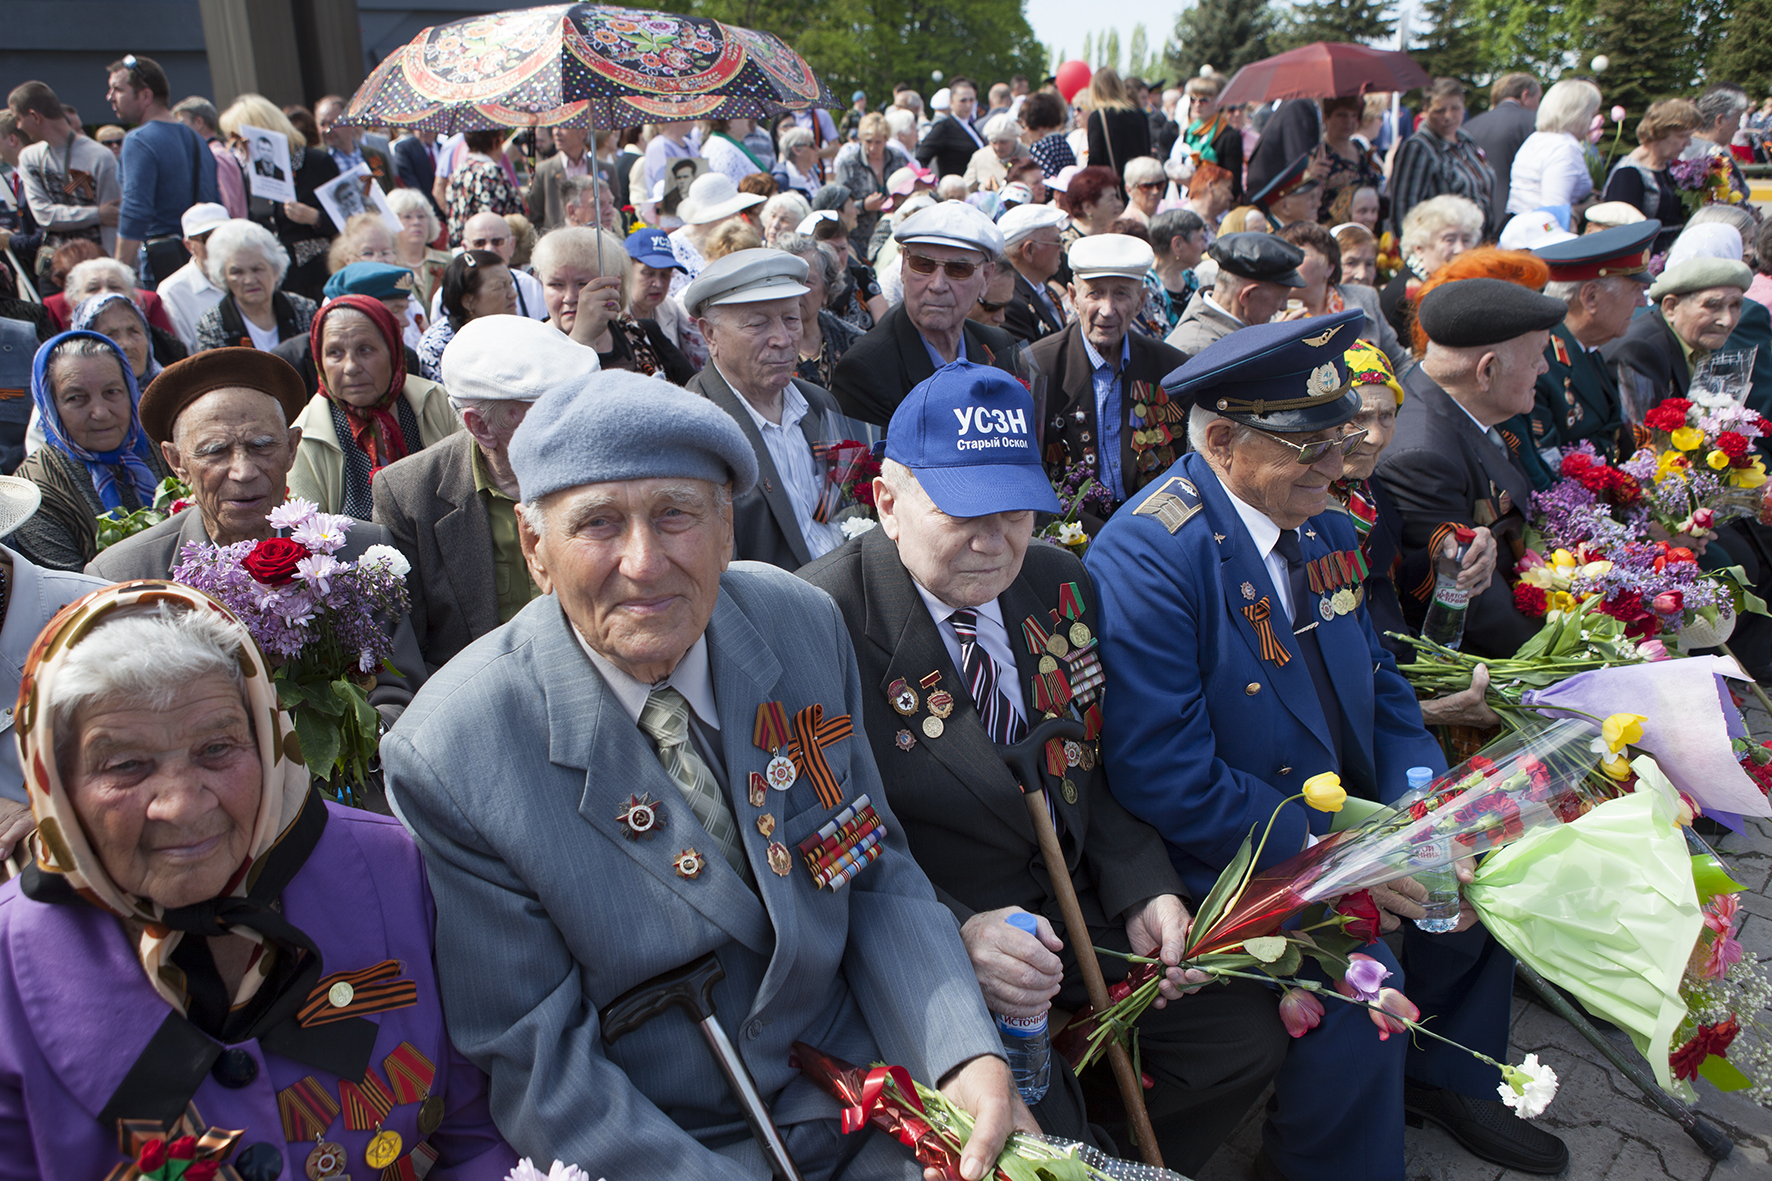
766	823
756	790
1079	634
1057	645
1086	757
1048	664
1344	601
327	1160
430	1115
689	864
1068	790
383	1150
781	863
941	704
340	994
932	727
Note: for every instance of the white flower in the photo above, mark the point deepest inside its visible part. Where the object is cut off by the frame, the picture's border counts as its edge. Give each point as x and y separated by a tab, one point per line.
1071	533
1528	1088
319	571
292	514
854	527
526	1171
388	556
322	533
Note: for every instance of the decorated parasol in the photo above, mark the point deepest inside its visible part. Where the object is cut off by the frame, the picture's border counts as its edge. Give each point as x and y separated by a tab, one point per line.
1324	69
583	65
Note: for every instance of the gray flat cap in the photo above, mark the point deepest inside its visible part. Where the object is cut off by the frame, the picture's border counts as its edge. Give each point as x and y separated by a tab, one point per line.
514	359
620	425
1701	274
746	276
952	223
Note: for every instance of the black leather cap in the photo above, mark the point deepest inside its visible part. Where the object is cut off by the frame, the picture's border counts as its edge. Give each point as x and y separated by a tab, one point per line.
1472	313
1258	256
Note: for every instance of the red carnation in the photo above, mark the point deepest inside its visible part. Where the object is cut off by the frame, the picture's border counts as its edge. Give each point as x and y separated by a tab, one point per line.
273	560
1531	600
1669	416
1362	915
1576	462
1732	444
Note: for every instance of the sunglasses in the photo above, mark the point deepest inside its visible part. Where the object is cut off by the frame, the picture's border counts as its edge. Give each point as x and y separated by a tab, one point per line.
1310	453
992	308
133	66
956	270
1149	185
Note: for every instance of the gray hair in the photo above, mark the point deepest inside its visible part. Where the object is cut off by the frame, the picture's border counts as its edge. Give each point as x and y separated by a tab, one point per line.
404	201
1719	102
1144	169
789	200
812	250
1569	290
79	283
952	187
494	412
1429	217
140	657
900	120
1199	418
74	348
1172	224
200	108
239	236
795	137
579	246
1728	215
535	512
1569	107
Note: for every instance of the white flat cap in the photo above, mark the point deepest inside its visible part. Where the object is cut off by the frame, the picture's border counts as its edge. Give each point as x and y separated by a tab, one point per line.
746	276
203	217
1099	255
513	359
952	223
1023	220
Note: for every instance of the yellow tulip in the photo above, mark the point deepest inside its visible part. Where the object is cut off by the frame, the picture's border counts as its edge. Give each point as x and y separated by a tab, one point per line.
1562	601
1324	792
1618	767
1563	559
1670	463
1539	576
1749	477
1595	569
1718	460
1620	730
1687	438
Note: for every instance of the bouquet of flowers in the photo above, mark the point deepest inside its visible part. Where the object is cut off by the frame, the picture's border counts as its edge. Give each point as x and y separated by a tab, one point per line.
1078	491
1726	994
1690	436
171	497
1703	180
1390	257
319	621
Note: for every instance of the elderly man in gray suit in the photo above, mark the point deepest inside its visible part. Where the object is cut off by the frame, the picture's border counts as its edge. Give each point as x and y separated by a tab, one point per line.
747	306
452	508
672	735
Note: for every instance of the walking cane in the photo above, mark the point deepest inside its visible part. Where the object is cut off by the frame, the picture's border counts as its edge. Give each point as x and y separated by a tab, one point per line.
692	987
1026	760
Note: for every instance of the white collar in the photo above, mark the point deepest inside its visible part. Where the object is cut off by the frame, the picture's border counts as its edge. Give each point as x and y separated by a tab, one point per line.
940	611
1481	429
692	678
1215	306
793	404
1262	530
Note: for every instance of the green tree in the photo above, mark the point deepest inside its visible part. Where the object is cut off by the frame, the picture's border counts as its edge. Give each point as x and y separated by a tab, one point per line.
1647	47
1088	49
1447	42
1363	21
1107	50
1224	34
1139	63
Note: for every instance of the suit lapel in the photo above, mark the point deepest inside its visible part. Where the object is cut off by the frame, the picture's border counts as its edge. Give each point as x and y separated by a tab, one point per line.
912	354
1345	656
464	533
775	493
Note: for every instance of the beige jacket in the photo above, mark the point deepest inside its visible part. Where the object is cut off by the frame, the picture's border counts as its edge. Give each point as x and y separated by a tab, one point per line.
319	470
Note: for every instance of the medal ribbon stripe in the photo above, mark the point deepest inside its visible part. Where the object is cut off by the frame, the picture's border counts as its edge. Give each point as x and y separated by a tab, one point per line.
1259	614
366	1103
400	1170
410	1072
306	1108
373	990
1035	633
1433	547
811	733
1070	600
771	730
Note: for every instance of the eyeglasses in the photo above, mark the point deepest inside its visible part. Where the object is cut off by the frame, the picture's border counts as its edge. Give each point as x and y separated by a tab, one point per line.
1310	453
1147	186
956	269
992	308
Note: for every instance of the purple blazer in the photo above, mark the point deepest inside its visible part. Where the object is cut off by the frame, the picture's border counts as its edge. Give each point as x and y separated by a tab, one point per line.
76	1012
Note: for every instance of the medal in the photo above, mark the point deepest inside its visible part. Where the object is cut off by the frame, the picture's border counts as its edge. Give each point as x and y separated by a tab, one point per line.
383	1150
430	1115
640	817
771	734
327	1160
766	823
757	786
1057	644
781	773
1048	664
1073	754
1325	608
781	863
1086	758
340	994
1248	589
1068	790
1079	635
1344	601
1070	605
904	698
932	727
904	740
689	864
941	703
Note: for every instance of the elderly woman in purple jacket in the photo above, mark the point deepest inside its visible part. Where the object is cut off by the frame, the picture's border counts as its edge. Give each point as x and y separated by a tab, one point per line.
206	960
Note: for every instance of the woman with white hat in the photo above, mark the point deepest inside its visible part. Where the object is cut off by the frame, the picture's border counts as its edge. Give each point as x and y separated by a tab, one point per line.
713	199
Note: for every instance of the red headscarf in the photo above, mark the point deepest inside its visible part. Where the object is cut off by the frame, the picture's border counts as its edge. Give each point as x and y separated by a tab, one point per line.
374	428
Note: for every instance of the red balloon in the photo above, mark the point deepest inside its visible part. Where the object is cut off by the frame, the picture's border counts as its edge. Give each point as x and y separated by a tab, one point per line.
1071	77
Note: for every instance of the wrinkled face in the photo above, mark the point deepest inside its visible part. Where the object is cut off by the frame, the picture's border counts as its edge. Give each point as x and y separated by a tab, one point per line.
1360	265
355	358
1615	302
1445	117
1106	209
93	401
935	298
1266	475
128	100
167	795
496	295
1378	418
375	244
778	221
636	566
1188	249
96	282
1704	319
1364	209
963	561
413	224
125	327
336	135
1298	205
1445	245
561	287
234	449
651	285
250	279
489	231
1148	195
993	306
1106	305
1513	377
756	345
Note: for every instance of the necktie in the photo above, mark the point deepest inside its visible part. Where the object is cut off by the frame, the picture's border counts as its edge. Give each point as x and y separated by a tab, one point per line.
665	717
1494	436
1304	616
999	718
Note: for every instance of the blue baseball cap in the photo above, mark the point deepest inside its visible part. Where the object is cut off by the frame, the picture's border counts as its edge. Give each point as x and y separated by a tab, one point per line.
652	247
967	433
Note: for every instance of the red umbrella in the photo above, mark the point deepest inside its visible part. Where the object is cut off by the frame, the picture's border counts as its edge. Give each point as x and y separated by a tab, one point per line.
1324	69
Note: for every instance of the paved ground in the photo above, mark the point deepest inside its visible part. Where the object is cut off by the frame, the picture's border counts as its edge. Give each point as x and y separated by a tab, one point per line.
1613	1132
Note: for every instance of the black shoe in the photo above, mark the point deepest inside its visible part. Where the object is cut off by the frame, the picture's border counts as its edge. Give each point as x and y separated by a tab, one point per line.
1263	1168
1486	1128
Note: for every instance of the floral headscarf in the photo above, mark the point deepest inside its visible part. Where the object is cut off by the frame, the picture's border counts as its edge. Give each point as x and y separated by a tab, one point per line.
1367	365
89	311
68	870
374	428
133	456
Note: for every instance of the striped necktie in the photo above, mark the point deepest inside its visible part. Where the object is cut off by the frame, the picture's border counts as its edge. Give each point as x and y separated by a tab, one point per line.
665	717
999	718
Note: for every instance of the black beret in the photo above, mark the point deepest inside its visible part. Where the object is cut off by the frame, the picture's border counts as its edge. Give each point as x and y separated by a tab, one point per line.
1258	256
181	383
1471	313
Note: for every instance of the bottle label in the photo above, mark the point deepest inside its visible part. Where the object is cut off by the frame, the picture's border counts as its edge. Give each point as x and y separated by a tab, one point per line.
1451	597
1022	1027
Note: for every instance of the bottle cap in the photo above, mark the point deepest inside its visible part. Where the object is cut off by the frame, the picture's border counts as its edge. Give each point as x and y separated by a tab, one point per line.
1419	777
1023	921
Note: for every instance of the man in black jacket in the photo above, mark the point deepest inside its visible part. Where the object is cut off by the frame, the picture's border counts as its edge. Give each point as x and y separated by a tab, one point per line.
943	602
1033	247
1293	130
946	250
1499	131
948	145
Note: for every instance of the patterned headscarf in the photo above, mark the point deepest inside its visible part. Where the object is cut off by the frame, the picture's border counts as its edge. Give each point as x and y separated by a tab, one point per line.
68	870
1367	365
374	428
89	311
132	455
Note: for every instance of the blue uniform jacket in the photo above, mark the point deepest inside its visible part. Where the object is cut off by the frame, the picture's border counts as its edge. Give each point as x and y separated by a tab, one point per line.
1202	737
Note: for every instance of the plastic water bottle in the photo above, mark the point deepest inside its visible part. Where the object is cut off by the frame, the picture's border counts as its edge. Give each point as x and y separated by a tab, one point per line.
1445	612
1442	883
1025	1042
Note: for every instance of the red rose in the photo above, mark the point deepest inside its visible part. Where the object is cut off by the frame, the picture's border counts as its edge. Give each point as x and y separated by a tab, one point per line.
153	1155
1362	915
1531	600
184	1148
1732	444
203	1170
272	561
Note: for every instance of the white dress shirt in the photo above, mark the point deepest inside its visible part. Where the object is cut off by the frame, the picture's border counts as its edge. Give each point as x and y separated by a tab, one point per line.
801	478
1265	534
1550	169
691	678
187	294
992	634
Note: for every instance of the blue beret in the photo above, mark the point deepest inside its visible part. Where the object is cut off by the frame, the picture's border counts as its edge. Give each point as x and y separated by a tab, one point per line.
1287	377
620	425
377	280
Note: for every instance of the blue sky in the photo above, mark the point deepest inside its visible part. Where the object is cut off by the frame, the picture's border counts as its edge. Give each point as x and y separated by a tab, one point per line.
1056	21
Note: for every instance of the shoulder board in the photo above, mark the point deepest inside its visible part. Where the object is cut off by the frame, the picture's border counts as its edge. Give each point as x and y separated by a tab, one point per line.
1172	504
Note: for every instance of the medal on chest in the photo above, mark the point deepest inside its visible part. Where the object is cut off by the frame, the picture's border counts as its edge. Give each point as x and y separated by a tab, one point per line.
771	734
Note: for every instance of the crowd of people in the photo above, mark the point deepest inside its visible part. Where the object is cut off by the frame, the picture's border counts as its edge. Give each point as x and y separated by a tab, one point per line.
589	386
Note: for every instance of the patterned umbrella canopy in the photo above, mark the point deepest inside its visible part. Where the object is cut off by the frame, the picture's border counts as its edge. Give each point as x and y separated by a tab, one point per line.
584	65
